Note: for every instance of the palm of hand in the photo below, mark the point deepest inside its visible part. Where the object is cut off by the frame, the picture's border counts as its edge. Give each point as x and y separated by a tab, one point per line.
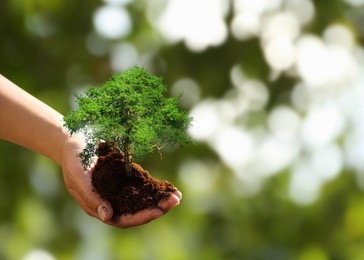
78	183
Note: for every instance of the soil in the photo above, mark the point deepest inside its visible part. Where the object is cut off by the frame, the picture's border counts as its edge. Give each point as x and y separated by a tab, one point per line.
129	189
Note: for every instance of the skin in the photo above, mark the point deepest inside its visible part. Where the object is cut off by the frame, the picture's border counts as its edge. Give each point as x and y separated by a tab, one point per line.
26	121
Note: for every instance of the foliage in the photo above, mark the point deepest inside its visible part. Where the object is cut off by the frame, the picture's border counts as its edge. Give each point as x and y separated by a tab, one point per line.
130	112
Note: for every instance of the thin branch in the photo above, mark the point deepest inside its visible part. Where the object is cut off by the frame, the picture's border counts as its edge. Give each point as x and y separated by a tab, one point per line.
159	149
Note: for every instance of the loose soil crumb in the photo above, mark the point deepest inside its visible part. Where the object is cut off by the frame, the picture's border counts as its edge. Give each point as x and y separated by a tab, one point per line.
127	191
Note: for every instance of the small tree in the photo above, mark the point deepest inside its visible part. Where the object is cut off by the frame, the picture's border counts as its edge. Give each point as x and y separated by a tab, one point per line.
129	112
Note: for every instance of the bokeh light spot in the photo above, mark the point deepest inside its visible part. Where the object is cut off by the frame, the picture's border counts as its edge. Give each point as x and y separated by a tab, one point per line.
245	25
196	175
206	121
123	56
323	124
280	53
304	10
355	2
234	146
112	22
304	185
182	20
339	35
38	254
284	123
188	90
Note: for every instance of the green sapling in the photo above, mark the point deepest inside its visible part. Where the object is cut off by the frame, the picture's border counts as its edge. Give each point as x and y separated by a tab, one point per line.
131	113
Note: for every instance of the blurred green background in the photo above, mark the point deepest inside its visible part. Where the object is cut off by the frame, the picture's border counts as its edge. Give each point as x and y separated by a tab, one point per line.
276	89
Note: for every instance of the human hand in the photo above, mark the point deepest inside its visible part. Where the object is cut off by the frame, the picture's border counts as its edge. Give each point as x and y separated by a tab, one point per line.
78	183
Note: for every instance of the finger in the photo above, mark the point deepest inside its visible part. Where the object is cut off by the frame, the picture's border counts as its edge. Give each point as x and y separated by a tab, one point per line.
105	211
178	194
139	218
99	208
168	203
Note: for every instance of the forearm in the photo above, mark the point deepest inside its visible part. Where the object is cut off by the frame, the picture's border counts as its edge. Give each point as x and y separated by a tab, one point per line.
27	121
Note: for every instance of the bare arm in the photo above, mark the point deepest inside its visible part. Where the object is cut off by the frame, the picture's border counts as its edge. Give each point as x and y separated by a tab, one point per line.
28	122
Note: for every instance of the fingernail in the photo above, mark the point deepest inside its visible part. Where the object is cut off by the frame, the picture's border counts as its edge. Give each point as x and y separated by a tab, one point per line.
102	211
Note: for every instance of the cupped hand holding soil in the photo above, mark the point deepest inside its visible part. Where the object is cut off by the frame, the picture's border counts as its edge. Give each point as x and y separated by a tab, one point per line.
127	186
78	182
147	215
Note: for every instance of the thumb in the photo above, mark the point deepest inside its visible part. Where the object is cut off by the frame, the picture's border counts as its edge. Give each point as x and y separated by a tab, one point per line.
104	211
100	209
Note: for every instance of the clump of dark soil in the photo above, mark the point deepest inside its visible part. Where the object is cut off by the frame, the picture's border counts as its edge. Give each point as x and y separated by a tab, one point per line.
129	189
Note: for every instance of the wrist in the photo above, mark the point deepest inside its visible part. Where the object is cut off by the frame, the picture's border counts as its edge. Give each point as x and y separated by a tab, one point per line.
72	146
58	140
